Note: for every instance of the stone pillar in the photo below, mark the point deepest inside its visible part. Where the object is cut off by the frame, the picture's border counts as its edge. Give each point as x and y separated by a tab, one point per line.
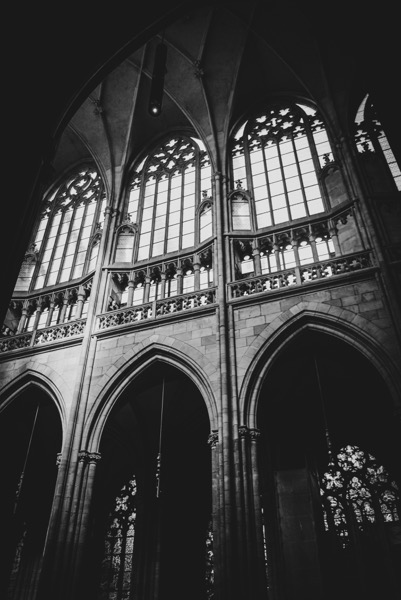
196	265
64	307
51	310
179	281
217	517
334	237
80	302
260	571
146	290
24	316
89	461
131	288
256	258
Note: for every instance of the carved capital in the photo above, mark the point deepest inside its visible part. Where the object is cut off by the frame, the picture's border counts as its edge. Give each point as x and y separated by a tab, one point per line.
58	459
88	457
243	431
213	439
254	434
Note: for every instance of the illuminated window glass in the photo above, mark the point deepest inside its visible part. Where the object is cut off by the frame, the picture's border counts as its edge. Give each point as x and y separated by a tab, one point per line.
69	220
370	137
165	191
277	156
356	491
117	565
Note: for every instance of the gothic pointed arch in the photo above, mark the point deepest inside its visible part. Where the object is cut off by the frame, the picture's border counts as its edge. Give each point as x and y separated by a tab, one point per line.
333	403
30	445
145	509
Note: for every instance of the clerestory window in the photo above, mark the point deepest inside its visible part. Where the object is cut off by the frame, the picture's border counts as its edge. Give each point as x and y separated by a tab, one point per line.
166	192
66	244
276	159
371	138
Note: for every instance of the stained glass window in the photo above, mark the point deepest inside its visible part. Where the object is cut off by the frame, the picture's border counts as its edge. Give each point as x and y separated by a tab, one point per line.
209	563
117	565
356	492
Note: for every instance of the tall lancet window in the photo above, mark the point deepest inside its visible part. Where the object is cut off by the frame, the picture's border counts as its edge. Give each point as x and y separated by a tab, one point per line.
370	137
117	566
165	192
66	244
278	156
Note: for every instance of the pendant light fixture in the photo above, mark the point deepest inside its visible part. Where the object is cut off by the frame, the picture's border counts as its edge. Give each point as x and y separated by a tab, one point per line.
157	84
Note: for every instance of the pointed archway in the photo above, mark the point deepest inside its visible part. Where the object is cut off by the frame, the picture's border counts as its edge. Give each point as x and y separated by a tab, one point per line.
320	397
153	527
30	440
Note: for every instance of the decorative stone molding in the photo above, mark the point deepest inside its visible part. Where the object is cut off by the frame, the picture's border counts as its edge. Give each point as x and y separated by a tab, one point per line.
58	459
88	457
213	439
243	431
254	434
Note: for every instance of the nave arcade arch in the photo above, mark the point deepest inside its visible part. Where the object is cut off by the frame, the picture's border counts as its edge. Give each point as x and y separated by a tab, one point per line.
322	399
30	443
160	411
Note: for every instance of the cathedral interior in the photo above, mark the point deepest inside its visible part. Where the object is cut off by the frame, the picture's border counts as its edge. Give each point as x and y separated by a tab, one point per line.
200	352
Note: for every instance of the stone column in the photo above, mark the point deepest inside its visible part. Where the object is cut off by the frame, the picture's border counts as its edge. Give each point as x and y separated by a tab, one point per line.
80	302
89	461
196	265
256	258
24	316
217	516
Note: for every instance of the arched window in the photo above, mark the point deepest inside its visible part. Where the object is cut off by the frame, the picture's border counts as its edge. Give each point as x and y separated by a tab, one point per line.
117	566
66	241
357	494
277	156
164	195
370	137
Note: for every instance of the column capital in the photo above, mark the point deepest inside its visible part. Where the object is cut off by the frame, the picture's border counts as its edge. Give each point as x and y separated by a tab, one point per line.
88	457
213	439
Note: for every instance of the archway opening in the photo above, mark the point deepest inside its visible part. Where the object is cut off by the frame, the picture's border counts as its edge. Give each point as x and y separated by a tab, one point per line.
30	440
160	414
321	398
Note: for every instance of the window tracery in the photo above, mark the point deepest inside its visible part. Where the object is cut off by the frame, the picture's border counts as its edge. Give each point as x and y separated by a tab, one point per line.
66	241
280	154
357	492
371	138
117	566
164	195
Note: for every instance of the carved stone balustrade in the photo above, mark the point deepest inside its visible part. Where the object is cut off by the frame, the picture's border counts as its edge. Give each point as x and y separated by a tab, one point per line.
157	308
301	275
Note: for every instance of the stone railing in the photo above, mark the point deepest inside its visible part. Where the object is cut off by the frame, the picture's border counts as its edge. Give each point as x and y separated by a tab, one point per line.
42	336
157	308
301	275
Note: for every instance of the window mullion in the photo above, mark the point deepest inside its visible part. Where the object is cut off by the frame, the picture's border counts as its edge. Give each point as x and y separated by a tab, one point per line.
269	198
54	247
152	229
181	208
300	177
80	233
45	239
67	242
165	245
284	182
